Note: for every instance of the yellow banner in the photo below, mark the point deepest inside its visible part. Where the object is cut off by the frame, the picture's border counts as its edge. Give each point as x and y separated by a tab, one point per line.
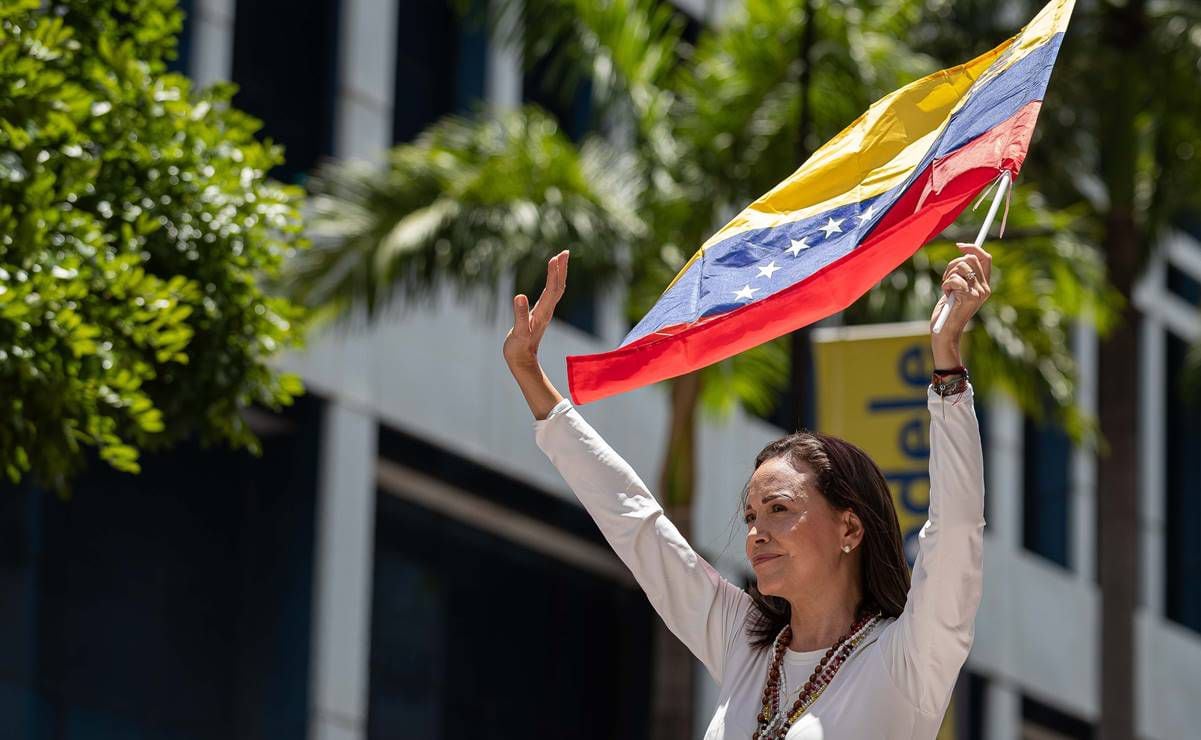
871	390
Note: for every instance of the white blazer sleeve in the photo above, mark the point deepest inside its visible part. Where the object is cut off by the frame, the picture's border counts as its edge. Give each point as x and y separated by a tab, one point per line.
698	605
928	644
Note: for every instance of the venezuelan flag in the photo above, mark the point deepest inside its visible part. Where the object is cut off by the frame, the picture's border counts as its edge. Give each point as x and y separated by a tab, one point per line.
853	212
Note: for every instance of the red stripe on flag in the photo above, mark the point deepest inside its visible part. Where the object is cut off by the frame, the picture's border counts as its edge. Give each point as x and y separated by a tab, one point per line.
943	190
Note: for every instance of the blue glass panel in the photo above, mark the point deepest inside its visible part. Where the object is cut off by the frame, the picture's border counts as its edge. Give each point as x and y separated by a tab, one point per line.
1053	722
472	61
441	60
445	590
571	107
1184	285
1047	460
285	63
1182	480
183	51
982	418
171	605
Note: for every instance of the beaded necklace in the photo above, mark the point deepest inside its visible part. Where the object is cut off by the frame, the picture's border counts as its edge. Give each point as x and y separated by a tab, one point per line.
774	725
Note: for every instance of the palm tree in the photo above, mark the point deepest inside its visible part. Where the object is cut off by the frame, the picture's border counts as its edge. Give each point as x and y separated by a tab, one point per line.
700	131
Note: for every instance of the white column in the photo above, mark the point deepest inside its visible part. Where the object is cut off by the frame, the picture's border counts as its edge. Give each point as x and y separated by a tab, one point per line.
1152	375
1004	476
1148	294
1002	711
366	79
1084	461
341	637
502	72
212	41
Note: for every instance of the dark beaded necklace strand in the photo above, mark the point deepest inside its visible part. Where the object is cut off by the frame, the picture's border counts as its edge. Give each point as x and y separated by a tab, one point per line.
817	683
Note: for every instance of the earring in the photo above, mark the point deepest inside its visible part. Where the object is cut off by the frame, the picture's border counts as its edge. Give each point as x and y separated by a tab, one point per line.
846	548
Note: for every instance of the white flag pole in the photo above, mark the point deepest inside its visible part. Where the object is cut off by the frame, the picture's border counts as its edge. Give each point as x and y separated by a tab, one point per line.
992	213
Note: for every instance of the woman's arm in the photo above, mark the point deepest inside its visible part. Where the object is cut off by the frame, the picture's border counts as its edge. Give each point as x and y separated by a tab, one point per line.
697	604
540	394
929	643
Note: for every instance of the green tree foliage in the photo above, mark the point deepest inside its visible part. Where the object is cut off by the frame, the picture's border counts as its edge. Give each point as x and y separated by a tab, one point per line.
467	203
136	228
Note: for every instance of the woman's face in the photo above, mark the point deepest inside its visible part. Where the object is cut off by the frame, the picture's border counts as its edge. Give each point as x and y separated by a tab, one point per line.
793	536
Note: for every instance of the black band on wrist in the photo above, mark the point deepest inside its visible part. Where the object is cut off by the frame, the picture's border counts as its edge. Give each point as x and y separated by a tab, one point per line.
949	382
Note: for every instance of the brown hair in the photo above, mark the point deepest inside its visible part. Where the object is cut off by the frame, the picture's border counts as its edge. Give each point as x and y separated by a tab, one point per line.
848	479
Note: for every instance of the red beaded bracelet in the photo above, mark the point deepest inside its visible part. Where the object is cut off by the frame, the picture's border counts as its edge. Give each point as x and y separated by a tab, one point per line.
949	382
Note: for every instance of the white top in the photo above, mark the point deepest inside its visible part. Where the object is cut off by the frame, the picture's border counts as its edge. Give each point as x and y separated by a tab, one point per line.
897	683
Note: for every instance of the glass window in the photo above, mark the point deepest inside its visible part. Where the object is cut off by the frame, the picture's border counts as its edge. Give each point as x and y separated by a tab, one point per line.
1182	481
1046	489
285	64
1042	722
183	51
974	702
553	88
440	63
984	419
173	604
783	414
467	626
1184	285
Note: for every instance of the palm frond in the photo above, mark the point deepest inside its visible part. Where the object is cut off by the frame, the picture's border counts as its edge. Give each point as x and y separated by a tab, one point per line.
628	49
470	201
752	379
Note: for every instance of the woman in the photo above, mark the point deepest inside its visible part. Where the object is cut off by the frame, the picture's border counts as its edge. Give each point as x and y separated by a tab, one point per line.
834	641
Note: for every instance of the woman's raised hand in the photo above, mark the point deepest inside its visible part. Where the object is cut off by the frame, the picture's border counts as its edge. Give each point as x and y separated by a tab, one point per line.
521	343
967	277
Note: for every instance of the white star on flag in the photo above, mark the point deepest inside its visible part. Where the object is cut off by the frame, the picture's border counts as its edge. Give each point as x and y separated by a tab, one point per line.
797	246
746	292
768	270
833	227
866	215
